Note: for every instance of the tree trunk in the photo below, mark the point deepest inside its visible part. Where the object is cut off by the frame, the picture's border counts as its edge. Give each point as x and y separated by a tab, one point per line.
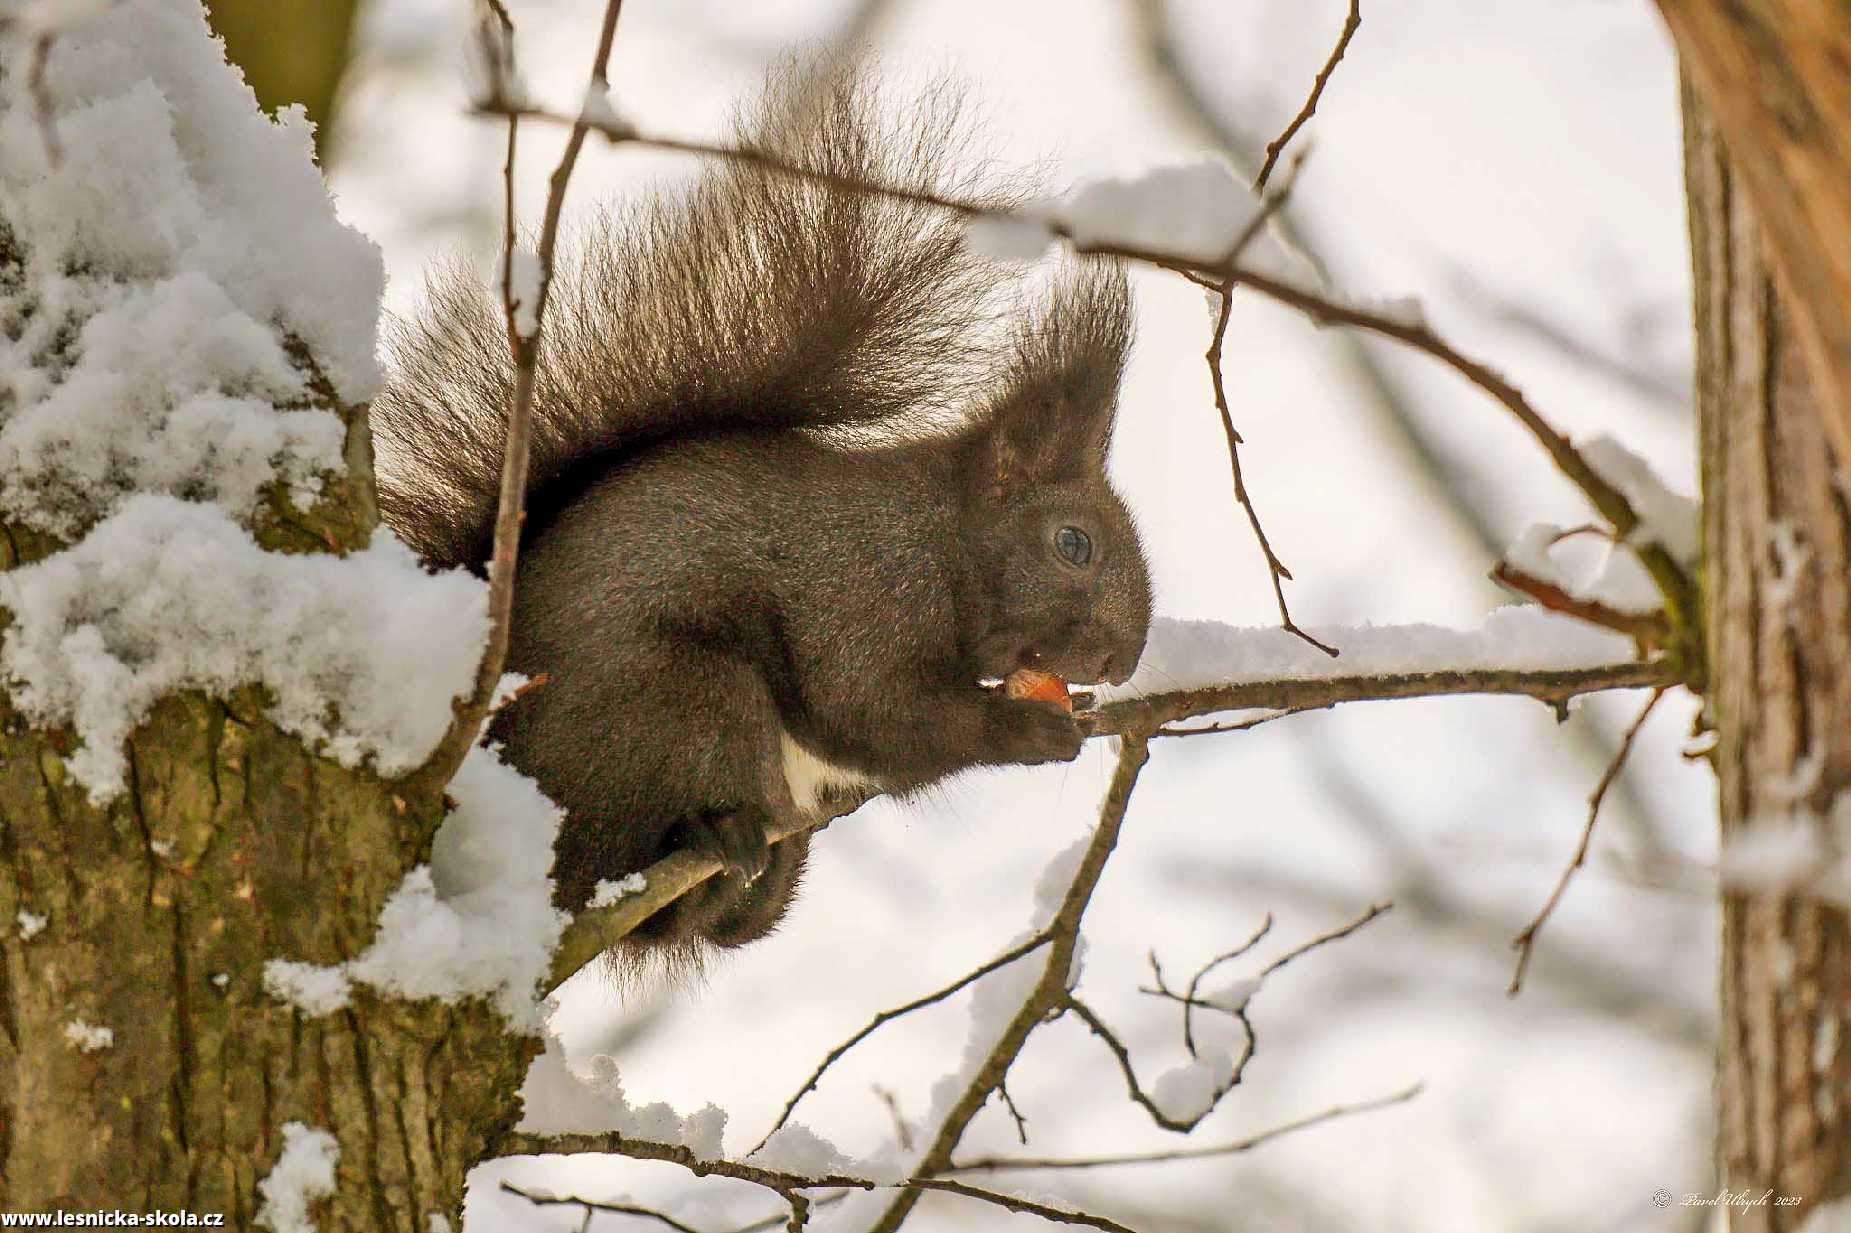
152	917
1776	75
233	846
1776	559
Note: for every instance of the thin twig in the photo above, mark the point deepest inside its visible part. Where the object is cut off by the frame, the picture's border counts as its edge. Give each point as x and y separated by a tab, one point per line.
1670	575
902	1134
41	98
1191	1002
1122	1055
43	27
540	1198
1275	568
1021	1123
1324	939
1224	290
1050	991
887	1016
1240	725
992	1164
1274	148
1201	974
1649	628
524	322
1525	942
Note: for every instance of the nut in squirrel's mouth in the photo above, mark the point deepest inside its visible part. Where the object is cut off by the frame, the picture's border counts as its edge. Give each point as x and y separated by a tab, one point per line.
1035	685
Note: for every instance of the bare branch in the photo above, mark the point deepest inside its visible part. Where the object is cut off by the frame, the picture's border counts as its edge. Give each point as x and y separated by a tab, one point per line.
1525	942
1324	939
992	1164
540	1198
1021	1123
1136	1091
902	1134
1351	23
1275	568
1050	991
785	1185
1195	982
887	1016
1649	628
1191	1002
1673	582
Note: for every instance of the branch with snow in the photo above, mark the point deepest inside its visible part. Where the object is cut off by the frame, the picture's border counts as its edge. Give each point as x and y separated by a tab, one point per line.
1011	1000
1209	669
1192	221
788	1185
188	333
1033	943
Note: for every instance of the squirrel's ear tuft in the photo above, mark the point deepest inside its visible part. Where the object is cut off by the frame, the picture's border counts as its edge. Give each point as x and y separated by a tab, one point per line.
1059	393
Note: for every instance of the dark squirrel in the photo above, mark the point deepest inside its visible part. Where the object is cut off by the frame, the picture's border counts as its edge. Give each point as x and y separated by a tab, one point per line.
795	492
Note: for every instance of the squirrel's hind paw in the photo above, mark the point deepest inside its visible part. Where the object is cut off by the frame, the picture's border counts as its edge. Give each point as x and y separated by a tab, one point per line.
736	838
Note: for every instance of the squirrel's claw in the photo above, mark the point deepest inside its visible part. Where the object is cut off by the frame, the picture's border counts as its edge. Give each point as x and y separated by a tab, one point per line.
736	839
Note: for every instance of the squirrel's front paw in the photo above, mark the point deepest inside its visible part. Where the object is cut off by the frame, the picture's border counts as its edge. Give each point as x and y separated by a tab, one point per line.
736	838
1039	732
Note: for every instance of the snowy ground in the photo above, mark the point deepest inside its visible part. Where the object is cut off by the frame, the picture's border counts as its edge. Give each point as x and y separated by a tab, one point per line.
1477	156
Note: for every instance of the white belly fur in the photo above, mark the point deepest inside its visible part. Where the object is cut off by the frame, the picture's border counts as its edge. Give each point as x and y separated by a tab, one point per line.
812	778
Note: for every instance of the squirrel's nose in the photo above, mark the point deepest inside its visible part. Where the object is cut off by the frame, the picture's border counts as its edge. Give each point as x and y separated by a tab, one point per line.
1117	669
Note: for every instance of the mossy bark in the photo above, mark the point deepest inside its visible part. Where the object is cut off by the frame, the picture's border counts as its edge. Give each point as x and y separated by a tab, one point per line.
232	845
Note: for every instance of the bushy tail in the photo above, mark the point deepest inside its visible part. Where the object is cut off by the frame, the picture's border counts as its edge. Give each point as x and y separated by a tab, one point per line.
757	299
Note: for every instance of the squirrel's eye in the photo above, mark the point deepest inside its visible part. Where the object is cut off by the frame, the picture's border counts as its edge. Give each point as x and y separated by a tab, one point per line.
1074	544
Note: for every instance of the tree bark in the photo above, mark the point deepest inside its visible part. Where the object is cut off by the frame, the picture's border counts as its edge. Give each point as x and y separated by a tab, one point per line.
233	846
1776	76
1776	560
153	917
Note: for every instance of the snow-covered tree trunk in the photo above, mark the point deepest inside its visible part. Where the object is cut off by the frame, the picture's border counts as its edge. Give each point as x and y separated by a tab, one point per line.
1777	557
233	845
209	660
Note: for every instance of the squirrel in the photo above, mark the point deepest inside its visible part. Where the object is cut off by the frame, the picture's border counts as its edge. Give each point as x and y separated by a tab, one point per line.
797	492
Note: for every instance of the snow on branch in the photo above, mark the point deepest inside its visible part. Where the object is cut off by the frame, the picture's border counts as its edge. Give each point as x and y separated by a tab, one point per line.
1198	668
303	1173
1192	222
